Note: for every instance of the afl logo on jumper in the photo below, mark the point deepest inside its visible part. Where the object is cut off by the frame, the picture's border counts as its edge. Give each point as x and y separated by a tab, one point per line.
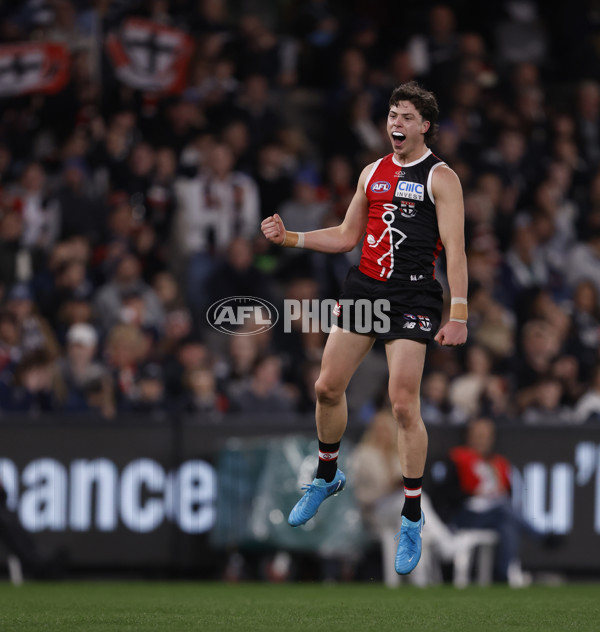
410	191
380	187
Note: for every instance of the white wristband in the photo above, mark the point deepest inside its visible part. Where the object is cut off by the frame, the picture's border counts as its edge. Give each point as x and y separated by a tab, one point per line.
457	320
300	243
458	301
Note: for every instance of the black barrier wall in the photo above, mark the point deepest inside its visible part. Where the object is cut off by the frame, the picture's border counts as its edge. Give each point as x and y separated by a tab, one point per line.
132	494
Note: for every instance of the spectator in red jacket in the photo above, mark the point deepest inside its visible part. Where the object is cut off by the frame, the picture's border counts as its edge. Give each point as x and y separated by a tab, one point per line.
479	480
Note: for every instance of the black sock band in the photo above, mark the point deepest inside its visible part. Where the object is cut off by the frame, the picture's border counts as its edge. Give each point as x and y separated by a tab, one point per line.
328	456
412	498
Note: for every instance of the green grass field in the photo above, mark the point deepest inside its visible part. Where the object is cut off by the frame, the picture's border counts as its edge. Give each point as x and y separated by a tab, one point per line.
116	607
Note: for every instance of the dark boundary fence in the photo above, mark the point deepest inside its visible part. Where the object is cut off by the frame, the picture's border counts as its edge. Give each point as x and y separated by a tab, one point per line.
136	494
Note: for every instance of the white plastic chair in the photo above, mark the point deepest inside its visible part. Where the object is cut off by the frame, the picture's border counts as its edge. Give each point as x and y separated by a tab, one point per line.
467	542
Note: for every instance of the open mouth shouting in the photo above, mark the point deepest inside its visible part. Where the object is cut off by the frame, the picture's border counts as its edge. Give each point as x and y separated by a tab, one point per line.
398	139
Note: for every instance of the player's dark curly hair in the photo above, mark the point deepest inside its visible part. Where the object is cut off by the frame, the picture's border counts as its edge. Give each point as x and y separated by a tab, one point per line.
424	102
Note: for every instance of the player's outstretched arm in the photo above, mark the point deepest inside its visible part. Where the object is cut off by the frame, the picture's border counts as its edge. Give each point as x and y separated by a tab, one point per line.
450	212
342	238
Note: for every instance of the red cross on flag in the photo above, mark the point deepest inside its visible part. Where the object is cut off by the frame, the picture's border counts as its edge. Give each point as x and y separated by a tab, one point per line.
28	67
149	56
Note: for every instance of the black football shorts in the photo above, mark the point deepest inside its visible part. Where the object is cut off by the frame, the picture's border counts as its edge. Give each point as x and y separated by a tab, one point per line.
389	309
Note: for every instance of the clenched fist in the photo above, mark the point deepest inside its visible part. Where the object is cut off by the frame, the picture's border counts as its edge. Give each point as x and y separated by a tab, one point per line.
273	229
452	334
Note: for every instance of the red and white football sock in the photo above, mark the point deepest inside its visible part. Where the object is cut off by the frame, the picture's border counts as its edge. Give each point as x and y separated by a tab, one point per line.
328	456
412	498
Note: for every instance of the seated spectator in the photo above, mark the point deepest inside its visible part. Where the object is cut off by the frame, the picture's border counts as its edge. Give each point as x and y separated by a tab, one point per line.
148	247
41	215
540	305
378	485
125	283
160	196
79	370
496	400
340	185
467	389
178	325
10	340
264	393
76	308
588	407
36	332
76	193
376	474
565	369
584	339
30	388
69	279
509	160
213	209
272	178
167	290
305	210
65	275
299	345
121	230
237	275
473	492
202	395
309	211
491	324
436	407
540	346
15	257
523	270
124	350
545	406
241	358
236	136
583	261
189	353
150	397
308	396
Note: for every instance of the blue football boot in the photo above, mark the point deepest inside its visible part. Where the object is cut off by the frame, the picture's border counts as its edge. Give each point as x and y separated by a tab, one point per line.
409	545
315	493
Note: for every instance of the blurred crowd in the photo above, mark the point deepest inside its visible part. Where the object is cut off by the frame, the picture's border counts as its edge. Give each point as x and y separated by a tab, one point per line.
125	213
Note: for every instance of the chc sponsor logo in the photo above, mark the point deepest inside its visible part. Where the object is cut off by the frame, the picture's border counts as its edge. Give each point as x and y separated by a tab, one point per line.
229	315
410	191
86	495
380	187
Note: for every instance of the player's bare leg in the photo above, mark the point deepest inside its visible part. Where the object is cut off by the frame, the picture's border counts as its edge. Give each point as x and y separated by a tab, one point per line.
344	351
406	359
